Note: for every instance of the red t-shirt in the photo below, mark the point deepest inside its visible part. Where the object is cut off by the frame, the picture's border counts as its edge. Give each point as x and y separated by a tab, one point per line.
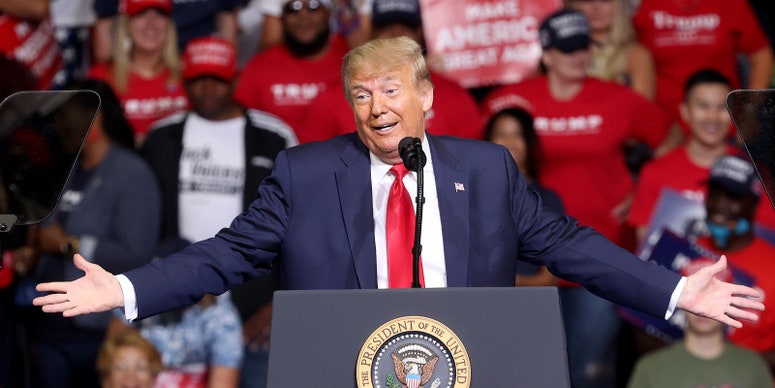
146	99
677	172
756	260
32	44
454	112
275	81
581	141
328	115
685	36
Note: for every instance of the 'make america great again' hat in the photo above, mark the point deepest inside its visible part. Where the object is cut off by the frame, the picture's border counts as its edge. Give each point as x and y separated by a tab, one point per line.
565	30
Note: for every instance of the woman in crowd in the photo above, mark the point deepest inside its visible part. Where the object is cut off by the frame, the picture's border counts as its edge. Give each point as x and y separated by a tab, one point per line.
616	54
513	128
146	67
126	359
618	57
201	345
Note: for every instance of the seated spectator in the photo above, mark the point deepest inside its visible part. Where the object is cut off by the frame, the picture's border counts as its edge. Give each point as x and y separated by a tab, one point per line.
582	124
192	19
350	19
200	345
703	358
126	359
218	134
513	129
145	71
685	36
734	192
284	79
26	34
616	54
686	168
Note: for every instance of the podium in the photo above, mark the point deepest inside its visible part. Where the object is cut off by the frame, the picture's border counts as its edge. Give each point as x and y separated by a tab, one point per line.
477	337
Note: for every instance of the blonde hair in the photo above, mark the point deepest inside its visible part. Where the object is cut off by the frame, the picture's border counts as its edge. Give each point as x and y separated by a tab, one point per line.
122	339
122	54
609	58
383	54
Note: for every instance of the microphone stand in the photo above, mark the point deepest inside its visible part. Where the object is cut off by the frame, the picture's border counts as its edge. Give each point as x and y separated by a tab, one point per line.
410	150
417	248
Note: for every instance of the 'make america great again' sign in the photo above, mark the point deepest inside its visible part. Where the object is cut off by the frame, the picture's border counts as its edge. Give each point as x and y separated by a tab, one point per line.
481	42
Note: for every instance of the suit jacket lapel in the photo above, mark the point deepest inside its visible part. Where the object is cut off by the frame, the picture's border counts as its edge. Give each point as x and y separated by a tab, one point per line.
354	184
453	208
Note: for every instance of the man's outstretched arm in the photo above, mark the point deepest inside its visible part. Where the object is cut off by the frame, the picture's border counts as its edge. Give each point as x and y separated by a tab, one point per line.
702	294
727	303
98	290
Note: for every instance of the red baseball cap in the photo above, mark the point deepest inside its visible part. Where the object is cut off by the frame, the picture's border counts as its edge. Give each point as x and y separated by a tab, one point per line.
506	101
210	56
134	7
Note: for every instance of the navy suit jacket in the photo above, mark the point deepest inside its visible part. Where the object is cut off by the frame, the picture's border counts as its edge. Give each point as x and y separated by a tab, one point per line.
314	215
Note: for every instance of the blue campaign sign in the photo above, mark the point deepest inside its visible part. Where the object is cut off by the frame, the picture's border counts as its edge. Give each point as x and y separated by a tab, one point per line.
675	252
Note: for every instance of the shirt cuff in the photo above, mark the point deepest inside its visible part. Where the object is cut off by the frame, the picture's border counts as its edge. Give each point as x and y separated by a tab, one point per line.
674	297
130	299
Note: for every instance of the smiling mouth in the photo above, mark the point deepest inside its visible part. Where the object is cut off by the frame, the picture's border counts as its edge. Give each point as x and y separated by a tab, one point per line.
383	127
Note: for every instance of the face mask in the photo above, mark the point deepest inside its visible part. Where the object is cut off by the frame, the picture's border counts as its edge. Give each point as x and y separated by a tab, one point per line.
721	233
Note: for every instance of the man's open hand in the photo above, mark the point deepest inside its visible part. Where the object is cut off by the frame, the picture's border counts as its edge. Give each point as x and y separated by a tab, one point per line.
98	290
705	295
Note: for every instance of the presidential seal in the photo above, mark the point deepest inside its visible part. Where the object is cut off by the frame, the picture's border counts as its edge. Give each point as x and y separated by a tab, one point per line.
413	352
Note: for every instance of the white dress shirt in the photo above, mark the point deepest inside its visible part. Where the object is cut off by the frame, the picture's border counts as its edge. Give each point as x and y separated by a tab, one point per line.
431	239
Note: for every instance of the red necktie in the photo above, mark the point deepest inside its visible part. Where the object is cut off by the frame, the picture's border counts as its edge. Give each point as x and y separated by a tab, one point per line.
399	230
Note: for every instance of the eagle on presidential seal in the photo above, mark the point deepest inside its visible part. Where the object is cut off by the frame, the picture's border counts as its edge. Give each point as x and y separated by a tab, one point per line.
414	365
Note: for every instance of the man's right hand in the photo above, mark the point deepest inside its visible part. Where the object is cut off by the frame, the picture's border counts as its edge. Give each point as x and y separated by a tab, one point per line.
704	295
98	290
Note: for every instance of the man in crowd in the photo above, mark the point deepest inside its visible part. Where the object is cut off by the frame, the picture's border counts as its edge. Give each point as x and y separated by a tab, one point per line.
685	169
209	162
734	193
284	79
703	358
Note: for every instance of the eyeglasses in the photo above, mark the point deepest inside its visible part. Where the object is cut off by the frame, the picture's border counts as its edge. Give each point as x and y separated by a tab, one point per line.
296	6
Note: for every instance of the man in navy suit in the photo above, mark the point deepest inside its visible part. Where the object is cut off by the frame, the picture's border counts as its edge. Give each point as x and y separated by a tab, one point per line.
322	215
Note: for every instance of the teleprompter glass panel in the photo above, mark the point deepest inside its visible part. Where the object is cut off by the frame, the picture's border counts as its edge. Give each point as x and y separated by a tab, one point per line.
41	135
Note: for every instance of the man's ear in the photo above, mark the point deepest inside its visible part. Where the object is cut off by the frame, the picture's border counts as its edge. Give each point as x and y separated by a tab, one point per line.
683	109
426	96
546	60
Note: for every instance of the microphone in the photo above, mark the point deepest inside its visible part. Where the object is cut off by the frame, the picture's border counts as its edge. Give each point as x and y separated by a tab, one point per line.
410	151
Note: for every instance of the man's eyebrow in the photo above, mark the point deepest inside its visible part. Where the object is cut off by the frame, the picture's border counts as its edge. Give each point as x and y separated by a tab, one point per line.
386	78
